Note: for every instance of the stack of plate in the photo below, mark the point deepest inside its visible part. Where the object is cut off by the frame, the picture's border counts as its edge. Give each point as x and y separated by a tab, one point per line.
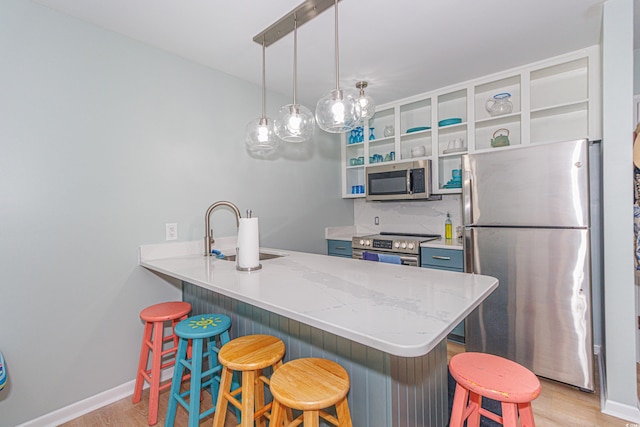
451	121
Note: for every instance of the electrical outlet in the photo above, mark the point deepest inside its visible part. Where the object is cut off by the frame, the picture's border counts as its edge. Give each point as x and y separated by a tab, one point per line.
171	231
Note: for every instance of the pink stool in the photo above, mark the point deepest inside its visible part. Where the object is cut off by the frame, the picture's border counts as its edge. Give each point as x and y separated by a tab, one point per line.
481	375
153	342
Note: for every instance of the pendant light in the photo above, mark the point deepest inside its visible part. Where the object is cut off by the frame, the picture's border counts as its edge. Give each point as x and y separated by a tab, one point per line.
260	139
367	104
339	110
294	122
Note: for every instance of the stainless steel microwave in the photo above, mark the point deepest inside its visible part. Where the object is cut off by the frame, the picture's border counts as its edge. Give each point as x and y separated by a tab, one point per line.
399	181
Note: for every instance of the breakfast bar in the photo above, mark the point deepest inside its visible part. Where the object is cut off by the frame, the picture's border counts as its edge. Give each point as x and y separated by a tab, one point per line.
385	324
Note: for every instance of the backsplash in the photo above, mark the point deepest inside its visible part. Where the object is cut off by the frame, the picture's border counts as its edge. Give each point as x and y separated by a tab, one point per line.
408	217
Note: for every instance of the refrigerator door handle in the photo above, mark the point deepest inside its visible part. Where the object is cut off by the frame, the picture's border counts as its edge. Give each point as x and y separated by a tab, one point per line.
466	197
468	242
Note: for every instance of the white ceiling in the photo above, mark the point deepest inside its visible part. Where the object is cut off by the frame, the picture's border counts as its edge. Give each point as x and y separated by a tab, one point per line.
402	47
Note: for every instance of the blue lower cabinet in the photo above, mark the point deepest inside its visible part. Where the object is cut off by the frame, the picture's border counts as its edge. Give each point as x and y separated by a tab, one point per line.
339	248
445	259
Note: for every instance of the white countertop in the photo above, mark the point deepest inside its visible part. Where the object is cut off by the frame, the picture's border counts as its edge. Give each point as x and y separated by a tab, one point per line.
404	311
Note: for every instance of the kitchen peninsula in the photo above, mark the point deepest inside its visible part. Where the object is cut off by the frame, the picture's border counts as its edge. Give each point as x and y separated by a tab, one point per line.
384	323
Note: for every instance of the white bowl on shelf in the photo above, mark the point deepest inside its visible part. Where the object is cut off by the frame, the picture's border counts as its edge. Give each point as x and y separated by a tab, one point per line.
419	151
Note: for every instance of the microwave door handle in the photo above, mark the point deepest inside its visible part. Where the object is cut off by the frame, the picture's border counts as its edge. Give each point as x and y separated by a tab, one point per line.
409	189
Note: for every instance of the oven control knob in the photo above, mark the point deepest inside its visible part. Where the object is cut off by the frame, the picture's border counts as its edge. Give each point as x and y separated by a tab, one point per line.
367	242
410	245
404	245
361	241
396	245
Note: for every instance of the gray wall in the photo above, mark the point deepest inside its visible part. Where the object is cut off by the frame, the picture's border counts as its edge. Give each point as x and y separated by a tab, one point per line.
617	152
636	69
102	141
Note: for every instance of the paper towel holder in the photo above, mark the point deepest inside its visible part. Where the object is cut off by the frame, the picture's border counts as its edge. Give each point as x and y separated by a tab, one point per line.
244	268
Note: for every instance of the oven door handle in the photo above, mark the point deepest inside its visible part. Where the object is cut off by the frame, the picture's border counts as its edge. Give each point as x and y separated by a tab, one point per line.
409	189
411	261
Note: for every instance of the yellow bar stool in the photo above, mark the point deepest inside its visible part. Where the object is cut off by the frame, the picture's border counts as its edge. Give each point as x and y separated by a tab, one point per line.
310	385
250	355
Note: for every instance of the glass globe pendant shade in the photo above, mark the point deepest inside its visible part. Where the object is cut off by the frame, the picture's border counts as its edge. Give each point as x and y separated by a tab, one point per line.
261	139
294	123
338	111
367	104
367	107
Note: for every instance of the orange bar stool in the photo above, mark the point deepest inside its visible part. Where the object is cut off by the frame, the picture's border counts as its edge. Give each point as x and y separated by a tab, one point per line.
250	355
310	385
153	343
481	375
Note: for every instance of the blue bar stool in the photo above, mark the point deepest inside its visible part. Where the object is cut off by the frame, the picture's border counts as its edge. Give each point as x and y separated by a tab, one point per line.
207	333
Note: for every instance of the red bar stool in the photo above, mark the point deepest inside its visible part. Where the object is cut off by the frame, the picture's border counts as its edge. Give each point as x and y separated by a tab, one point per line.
153	341
250	355
481	375
310	385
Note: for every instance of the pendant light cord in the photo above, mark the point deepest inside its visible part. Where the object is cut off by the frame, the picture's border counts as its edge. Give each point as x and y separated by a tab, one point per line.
337	52
295	57
264	80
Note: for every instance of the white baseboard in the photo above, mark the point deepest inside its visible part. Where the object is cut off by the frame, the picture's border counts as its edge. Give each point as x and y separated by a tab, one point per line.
77	409
624	412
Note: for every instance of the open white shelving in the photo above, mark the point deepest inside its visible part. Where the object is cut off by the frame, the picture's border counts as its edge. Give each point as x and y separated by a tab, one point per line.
553	100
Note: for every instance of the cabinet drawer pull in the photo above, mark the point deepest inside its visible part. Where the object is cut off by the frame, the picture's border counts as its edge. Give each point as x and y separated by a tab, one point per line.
444	258
341	247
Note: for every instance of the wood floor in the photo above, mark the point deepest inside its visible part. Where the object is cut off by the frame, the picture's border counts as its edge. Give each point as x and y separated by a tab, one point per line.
557	406
123	413
562	406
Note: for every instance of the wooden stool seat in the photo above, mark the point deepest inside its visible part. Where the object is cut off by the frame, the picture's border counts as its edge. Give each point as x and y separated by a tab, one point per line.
205	333
250	355
165	311
481	375
153	341
311	385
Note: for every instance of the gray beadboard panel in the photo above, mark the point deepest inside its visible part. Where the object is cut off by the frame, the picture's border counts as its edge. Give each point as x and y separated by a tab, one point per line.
419	389
386	391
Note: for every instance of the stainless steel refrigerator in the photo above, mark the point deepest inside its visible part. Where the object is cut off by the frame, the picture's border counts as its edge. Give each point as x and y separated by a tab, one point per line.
526	214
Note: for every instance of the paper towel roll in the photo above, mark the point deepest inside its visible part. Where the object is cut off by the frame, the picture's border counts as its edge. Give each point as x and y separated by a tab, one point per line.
248	243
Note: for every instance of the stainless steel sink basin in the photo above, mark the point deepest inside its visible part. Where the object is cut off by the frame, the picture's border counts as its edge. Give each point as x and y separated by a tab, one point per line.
263	256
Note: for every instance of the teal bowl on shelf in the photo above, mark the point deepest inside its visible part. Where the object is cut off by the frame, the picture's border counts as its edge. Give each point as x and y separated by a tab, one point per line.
418	129
451	121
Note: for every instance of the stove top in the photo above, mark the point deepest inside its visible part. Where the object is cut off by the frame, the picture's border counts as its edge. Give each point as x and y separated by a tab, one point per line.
393	242
416	236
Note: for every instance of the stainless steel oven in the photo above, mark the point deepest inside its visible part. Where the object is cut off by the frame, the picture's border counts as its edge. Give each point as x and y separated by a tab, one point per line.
403	247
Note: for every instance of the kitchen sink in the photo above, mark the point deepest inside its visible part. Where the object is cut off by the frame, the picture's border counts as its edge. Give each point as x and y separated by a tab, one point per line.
263	256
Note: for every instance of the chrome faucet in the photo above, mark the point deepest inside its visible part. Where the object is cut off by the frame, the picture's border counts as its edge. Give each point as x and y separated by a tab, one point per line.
208	238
